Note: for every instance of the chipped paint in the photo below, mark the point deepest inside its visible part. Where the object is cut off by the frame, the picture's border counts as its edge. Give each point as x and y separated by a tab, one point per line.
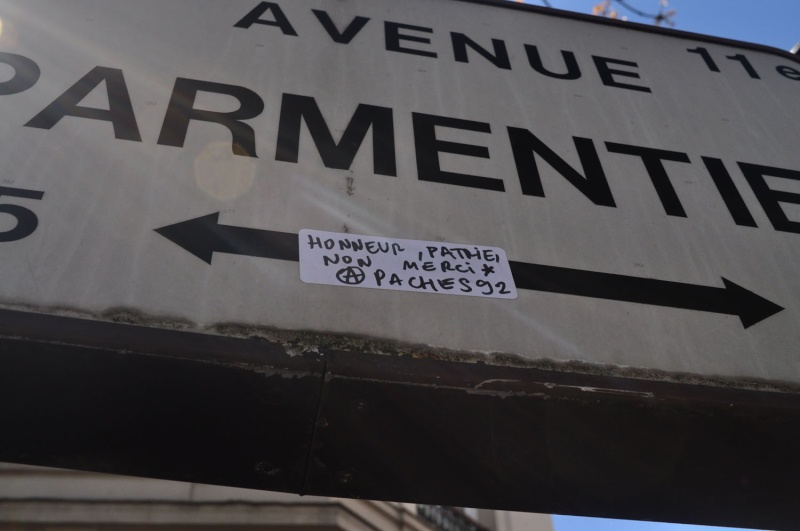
305	342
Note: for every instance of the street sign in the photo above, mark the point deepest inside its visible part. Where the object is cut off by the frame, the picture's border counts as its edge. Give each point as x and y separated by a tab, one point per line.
641	185
480	183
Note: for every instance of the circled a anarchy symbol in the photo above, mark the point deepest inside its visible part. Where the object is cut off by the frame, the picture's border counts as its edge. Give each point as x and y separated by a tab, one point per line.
351	275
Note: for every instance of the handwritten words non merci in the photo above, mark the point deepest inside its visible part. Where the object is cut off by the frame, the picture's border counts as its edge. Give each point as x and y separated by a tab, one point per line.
405	265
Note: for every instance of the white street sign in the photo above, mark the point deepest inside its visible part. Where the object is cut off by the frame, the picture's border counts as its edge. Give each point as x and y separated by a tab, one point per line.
644	185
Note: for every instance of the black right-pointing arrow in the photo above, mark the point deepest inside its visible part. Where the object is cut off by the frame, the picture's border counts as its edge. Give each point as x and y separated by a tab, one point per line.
731	299
204	236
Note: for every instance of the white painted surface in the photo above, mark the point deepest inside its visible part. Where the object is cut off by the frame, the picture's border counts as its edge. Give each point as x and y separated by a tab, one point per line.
95	247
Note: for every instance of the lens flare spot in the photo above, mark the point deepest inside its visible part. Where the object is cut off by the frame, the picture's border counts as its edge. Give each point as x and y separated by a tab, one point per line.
8	34
221	174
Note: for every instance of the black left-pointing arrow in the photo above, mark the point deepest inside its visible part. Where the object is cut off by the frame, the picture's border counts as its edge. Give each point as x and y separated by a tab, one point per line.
204	236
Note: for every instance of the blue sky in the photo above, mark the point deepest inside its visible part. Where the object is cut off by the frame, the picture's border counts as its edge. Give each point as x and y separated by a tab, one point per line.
573	523
771	22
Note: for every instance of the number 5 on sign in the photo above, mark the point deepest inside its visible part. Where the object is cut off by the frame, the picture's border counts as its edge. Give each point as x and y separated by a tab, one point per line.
26	219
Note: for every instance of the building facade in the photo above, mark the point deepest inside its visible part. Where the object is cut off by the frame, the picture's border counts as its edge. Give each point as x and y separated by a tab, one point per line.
46	499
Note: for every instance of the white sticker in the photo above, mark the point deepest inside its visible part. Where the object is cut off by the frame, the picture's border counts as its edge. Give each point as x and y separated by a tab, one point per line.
353	260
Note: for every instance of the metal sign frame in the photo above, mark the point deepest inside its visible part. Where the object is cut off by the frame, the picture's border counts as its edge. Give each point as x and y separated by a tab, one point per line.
177	405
